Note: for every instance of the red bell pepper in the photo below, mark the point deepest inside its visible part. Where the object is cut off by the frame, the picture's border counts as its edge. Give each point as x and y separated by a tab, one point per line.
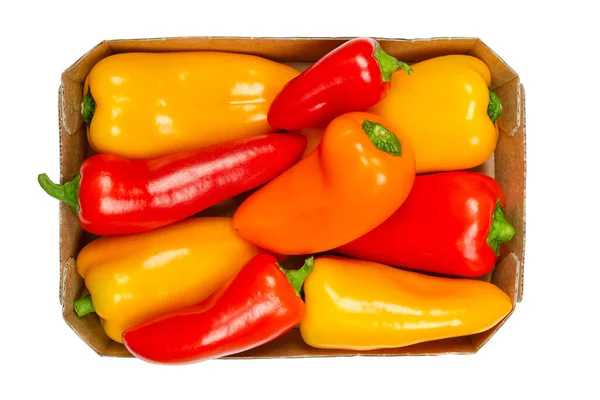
261	303
352	77
452	223
113	195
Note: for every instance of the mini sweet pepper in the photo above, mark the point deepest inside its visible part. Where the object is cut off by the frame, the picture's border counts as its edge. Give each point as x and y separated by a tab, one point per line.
360	305
132	278
146	105
113	195
261	303
351	77
358	176
446	112
452	223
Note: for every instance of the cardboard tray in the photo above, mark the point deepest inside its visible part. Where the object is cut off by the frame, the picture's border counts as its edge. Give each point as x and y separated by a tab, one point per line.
507	165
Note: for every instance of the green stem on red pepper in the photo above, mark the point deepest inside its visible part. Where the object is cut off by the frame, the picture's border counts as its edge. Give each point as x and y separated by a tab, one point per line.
69	192
389	64
501	230
494	107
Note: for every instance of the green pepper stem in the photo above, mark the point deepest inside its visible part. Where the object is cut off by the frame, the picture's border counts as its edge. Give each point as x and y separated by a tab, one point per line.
88	108
494	107
297	277
501	230
388	64
84	306
69	192
382	138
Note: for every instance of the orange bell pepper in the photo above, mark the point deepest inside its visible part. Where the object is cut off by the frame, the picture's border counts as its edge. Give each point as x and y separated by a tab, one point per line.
361	305
356	178
146	105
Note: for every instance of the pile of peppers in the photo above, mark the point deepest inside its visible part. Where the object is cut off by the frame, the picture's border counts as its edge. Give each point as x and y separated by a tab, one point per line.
360	165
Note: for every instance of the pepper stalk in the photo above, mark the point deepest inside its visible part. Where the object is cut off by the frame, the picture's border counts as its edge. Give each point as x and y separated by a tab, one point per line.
69	192
501	230
84	306
494	110
297	277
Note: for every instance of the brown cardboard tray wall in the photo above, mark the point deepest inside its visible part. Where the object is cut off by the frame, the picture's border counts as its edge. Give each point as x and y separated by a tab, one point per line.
507	165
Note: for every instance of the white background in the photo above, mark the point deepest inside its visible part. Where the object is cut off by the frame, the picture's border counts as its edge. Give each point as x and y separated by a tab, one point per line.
550	344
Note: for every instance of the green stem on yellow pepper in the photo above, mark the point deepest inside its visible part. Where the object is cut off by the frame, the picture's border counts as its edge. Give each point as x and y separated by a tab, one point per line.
88	107
84	306
494	107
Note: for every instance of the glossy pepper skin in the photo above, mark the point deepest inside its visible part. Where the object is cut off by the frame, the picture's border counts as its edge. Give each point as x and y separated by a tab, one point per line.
352	77
132	278
356	178
446	111
259	305
361	305
452	223
146	105
113	195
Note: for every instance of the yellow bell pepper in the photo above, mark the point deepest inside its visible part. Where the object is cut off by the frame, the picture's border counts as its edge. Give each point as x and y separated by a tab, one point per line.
145	105
359	305
135	277
445	111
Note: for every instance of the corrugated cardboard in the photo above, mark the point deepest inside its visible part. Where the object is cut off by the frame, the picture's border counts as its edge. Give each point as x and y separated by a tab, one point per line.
507	165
